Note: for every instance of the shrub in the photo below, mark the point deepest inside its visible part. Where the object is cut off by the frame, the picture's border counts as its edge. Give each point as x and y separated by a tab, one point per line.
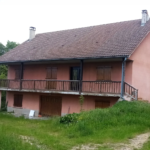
70	118
81	101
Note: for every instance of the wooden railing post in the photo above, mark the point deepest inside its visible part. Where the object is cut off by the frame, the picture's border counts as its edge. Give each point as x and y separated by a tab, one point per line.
20	84
34	84
8	83
63	85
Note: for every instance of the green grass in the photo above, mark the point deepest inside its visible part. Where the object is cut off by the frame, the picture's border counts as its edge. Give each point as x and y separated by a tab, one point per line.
146	146
116	124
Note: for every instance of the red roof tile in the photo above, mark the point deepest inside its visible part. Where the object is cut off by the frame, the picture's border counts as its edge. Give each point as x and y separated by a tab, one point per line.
110	40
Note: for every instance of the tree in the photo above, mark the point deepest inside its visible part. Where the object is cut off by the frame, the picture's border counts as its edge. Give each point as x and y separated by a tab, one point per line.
10	45
3	68
2	49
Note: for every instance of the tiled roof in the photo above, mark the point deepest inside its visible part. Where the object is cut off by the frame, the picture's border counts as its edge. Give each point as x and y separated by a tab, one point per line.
109	40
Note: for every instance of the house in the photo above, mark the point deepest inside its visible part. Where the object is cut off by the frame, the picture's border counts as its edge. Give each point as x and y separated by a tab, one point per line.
49	72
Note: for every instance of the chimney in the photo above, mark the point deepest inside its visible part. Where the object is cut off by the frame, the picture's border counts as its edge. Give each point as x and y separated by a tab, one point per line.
32	33
145	17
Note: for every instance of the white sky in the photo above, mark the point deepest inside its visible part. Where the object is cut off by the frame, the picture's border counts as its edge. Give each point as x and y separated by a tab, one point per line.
16	16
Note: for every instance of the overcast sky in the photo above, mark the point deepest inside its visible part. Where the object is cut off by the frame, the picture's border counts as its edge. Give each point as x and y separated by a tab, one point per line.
16	16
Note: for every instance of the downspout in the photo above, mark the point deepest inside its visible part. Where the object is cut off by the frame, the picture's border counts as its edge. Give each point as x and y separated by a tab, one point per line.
123	77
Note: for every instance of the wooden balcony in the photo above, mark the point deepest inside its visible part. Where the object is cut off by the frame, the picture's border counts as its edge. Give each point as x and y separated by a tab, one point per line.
75	87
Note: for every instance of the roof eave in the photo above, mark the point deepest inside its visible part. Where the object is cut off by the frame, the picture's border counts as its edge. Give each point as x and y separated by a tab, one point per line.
64	59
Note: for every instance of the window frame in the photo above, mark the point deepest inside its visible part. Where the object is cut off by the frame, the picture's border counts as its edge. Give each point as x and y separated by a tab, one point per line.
17	74
103	67
18	97
50	73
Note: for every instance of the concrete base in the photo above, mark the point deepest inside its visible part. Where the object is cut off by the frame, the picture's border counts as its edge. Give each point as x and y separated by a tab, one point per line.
21	111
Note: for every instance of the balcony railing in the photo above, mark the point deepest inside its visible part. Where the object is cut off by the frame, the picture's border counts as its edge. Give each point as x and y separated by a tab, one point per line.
105	87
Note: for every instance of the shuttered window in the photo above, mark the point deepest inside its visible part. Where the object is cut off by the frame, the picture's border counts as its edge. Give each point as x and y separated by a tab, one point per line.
18	100
102	104
51	73
17	74
104	73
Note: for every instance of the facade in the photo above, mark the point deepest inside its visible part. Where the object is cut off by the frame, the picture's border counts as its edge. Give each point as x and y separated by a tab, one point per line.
50	71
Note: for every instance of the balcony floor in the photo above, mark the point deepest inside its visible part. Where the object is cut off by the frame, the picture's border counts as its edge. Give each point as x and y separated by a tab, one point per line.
71	92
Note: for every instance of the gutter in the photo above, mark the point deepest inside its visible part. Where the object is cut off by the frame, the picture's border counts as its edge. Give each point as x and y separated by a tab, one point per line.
63	59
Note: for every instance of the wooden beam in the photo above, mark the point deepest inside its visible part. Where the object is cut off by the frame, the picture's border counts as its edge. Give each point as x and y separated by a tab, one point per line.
21	74
123	77
81	76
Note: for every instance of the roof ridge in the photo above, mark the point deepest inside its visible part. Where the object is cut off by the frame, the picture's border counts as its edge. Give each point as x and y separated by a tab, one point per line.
88	26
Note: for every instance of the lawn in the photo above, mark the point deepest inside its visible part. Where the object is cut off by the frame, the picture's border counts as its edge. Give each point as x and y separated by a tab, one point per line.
116	124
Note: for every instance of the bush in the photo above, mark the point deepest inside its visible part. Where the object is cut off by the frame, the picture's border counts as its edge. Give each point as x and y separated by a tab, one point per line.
70	118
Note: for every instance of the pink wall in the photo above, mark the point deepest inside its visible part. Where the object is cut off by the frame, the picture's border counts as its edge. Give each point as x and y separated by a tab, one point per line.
30	100
63	71
128	72
90	70
70	103
141	69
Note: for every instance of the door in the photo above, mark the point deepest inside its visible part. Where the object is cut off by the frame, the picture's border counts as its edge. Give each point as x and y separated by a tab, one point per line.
102	104
75	75
50	106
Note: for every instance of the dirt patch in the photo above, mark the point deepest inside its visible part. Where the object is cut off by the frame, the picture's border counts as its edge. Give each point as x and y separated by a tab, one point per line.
32	141
135	143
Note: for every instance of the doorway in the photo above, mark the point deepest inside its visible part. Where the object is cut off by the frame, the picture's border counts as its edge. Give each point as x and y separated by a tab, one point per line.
50	106
75	75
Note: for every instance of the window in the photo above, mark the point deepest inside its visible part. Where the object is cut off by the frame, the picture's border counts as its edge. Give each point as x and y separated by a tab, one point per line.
51	75
18	100
17	74
104	73
102	104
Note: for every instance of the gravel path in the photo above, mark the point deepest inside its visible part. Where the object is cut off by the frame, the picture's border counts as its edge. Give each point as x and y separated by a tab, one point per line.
135	143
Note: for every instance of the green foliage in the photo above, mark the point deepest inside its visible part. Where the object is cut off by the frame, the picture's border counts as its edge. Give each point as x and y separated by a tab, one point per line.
12	142
2	49
81	101
10	45
3	71
112	125
69	118
3	68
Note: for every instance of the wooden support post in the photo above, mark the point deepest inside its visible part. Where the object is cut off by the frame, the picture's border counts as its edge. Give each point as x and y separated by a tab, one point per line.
81	76
136	95
123	77
21	75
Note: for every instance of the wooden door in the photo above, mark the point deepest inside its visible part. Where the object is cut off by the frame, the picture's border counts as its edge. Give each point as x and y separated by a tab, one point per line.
102	104
50	106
